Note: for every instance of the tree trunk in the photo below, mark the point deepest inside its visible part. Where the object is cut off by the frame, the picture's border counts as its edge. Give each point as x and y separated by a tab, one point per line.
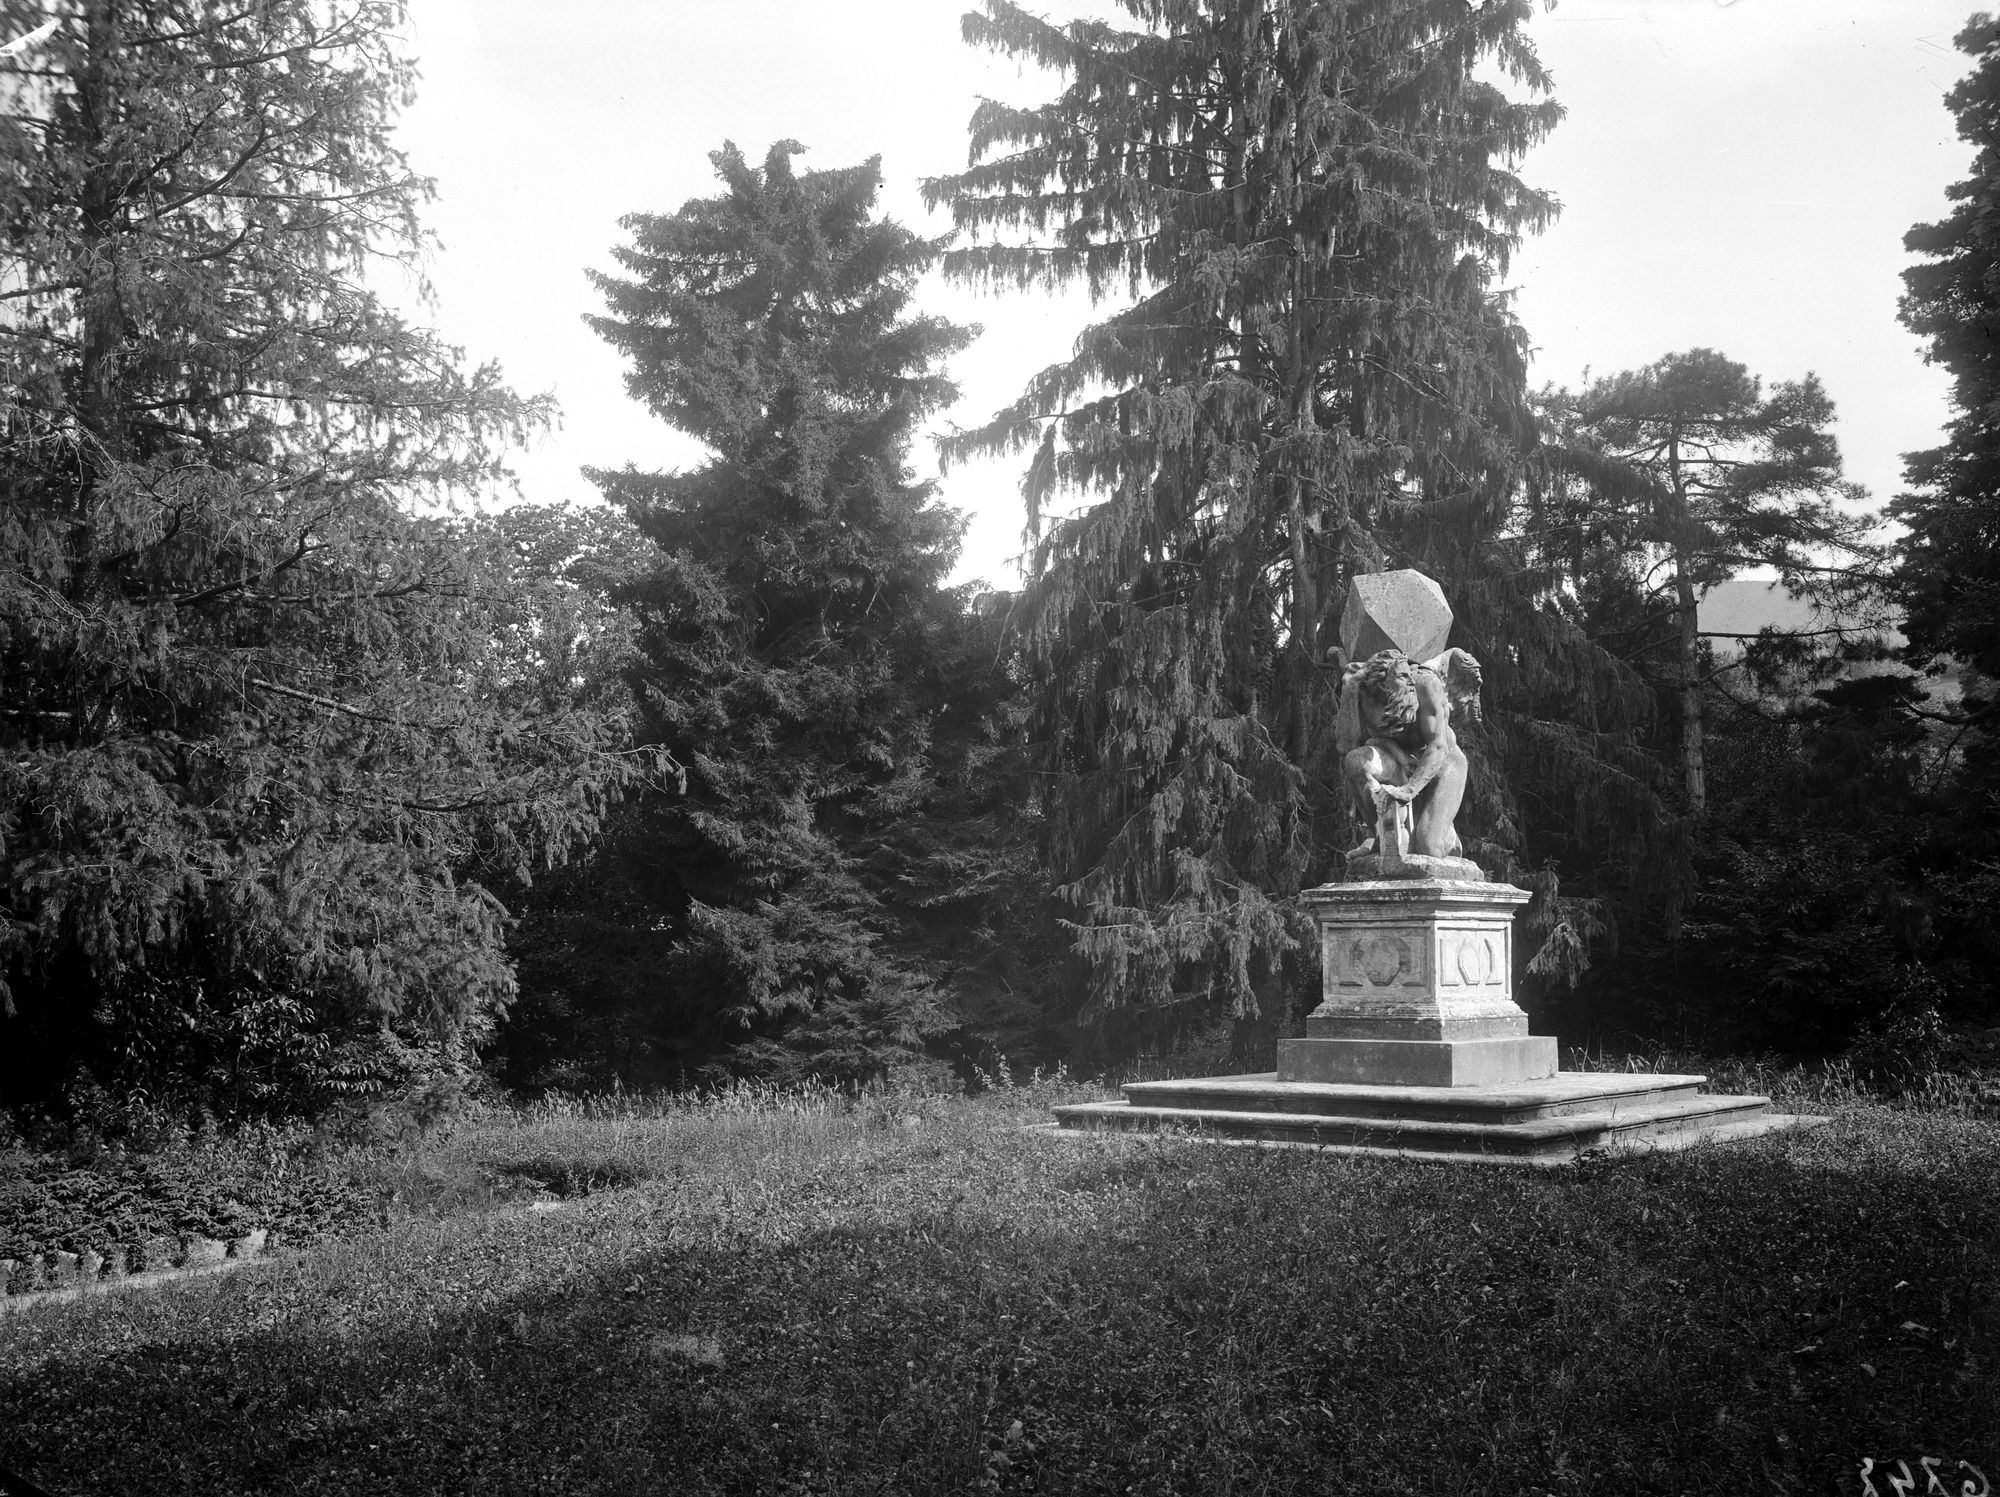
1239	129
1693	773
1305	628
1299	386
100	401
1694	778
99	406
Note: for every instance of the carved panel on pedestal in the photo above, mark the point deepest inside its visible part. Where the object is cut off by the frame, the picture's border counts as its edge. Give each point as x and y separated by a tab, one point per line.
1473	958
1372	960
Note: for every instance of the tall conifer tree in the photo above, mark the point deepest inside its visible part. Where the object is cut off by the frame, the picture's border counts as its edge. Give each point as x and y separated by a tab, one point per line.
1950	570
1306	203
269	730
791	626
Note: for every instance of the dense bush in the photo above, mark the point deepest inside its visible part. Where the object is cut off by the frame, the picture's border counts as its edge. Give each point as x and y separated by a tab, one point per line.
1842	891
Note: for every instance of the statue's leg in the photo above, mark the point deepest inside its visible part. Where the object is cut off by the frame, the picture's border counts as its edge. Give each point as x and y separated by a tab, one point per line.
1433	834
1376	762
1359	768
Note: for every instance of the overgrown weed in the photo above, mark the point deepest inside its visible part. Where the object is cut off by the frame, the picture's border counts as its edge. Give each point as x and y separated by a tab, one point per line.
1858	1079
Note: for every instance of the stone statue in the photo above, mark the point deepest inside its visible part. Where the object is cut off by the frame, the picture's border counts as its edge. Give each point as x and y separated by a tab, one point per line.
1400	757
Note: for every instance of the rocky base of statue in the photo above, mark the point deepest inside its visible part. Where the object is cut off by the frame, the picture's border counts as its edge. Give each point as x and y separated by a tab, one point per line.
1367	865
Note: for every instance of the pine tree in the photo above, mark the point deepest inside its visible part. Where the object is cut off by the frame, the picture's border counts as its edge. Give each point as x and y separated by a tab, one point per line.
793	626
1306	204
270	722
1696	474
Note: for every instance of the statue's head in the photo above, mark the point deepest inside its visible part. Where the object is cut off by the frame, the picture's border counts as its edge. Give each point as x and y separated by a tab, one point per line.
1389	689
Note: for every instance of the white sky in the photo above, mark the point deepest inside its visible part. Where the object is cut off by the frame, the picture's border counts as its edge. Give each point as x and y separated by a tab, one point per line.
1737	174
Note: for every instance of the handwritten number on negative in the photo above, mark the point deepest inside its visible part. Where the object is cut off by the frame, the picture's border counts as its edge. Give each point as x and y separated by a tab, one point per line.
1903	1484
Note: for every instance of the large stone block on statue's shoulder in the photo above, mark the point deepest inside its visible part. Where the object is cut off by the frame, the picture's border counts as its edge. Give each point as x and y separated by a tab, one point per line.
1394	611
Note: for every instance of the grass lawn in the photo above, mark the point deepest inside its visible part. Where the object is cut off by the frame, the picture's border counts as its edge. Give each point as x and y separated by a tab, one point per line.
810	1294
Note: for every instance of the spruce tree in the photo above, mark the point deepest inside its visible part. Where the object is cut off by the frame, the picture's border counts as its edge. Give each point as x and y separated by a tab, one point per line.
271	731
1304	206
791	623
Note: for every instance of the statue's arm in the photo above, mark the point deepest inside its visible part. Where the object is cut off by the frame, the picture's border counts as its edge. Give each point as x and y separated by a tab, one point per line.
1433	729
1347	731
1461	681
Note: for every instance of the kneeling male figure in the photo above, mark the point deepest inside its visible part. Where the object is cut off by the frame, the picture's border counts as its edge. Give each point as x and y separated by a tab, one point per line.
1400	711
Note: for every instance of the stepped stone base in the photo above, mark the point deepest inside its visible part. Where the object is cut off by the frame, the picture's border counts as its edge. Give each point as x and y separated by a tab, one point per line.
1418	1049
1551	1120
1496	1061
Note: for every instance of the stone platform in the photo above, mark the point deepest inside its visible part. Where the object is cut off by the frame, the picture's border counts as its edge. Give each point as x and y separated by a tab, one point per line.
1551	1120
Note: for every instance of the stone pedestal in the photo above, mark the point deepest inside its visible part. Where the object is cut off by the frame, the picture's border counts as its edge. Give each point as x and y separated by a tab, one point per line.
1418	990
1419	1051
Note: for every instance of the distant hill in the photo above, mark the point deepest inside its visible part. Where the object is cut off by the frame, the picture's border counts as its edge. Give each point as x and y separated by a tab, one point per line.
1743	608
1732	613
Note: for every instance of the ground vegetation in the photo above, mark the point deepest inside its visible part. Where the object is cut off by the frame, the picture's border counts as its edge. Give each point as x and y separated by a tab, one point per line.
908	1293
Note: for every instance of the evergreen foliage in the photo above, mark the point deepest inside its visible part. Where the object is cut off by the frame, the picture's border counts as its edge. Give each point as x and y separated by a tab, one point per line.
1687	471
271	721
833	703
1828	894
1304	207
1841	889
1949	572
1852	882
